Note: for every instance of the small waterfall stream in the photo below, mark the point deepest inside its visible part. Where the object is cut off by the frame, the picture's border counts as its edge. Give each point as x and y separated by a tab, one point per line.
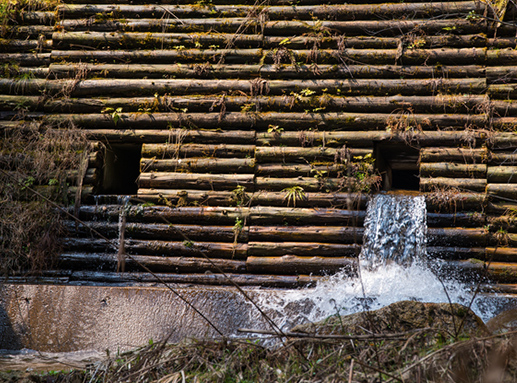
392	266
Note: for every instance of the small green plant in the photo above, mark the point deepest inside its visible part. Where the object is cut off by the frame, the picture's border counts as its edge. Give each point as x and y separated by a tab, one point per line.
239	195
115	113
472	16
294	194
275	129
188	244
307	92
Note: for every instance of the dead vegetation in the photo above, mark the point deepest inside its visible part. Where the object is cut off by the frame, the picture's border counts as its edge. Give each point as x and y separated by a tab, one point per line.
42	160
351	352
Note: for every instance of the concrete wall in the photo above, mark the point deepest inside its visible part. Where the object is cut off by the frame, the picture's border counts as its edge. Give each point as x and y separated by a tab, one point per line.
71	318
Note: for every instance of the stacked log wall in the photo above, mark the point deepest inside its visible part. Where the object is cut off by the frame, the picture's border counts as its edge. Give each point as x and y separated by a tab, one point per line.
258	126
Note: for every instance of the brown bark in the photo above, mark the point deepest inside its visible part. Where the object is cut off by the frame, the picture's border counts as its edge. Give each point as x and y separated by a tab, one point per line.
302	249
502	190
280	71
309	184
497	158
457	237
320	171
194	181
329	234
285	281
439	169
366	139
305	154
290	264
300	12
26	59
196	150
159	136
178	215
158	264
363	104
445	184
149	231
454	155
441	220
134	87
162	248
199	165
290	216
504	140
502	174
261	198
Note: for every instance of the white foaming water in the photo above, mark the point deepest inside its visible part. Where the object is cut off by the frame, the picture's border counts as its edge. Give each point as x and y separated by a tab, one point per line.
392	266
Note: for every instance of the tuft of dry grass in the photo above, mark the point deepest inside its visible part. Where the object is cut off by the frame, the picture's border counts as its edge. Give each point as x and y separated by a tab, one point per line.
42	158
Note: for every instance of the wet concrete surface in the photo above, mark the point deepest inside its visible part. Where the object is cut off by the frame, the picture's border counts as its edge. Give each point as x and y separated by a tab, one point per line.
58	318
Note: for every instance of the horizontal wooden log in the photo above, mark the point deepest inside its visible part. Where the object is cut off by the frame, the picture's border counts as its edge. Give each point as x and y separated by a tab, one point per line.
283	281
386	27
461	155
304	154
502	174
455	253
134	87
290	264
503	141
170	40
188	197
310	184
444	169
366	139
30	31
467	220
499	272
302	249
162	56
501	74
501	158
290	216
256	215
437	184
162	248
501	213
263	121
163	214
419	104
501	254
159	264
26	59
268	71
329	234
198	165
162	151
502	91
261	198
506	56
319	171
300	12
453	201
17	46
138	230
445	56
194	181
245	137
457	237
502	190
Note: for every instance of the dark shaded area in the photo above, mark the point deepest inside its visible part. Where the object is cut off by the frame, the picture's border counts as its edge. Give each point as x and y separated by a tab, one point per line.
398	165
121	169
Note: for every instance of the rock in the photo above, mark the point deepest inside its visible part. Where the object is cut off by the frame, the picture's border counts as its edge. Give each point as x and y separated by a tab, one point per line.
401	317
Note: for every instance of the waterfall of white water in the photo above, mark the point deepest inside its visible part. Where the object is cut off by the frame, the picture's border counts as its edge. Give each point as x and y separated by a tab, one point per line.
392	267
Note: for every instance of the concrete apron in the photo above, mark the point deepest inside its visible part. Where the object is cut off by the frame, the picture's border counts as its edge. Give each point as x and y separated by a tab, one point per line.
70	318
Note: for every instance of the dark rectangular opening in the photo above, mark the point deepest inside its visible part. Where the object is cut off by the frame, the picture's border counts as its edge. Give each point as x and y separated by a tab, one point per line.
398	165
121	169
